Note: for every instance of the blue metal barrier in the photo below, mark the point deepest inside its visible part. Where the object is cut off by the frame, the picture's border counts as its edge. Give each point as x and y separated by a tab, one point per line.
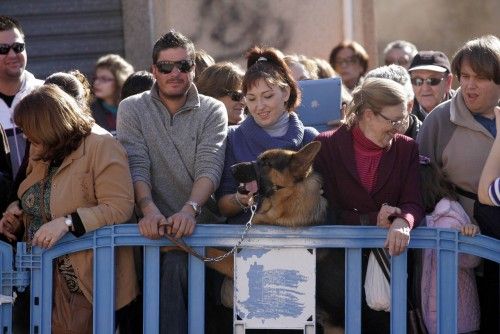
448	244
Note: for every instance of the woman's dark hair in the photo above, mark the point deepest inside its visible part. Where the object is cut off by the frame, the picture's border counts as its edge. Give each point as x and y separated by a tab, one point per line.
268	65
435	186
71	85
218	79
136	83
51	117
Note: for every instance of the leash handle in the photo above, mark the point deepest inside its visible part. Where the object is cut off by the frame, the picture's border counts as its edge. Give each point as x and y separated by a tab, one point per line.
181	244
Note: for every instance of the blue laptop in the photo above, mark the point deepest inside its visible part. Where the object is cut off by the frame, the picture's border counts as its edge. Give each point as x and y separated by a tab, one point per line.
320	102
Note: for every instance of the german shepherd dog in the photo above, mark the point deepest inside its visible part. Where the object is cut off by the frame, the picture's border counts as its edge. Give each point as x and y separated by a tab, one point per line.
289	191
289	194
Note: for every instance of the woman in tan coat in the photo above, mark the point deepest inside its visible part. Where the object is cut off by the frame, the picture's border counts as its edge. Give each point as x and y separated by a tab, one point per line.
82	174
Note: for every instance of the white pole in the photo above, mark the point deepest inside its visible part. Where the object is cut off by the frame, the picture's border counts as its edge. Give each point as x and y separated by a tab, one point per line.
348	19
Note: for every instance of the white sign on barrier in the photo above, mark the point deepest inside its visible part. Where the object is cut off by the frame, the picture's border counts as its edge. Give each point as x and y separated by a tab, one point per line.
275	288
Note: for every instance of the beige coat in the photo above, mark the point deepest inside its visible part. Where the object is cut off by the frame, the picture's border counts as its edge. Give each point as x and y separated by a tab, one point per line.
94	180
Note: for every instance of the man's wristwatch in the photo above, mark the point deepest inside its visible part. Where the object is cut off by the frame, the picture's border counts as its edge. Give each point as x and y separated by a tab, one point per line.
196	207
69	222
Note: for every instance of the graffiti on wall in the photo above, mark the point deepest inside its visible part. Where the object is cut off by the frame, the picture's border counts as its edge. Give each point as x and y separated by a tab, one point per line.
234	26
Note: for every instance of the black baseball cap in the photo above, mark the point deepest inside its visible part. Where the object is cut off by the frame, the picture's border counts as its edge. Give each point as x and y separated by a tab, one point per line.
430	60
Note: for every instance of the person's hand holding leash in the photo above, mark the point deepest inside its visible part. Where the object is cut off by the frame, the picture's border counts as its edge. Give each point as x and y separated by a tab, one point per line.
181	224
151	225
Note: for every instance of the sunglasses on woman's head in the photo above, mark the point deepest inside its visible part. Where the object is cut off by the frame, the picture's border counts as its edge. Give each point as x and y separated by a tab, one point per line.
235	95
167	67
17	47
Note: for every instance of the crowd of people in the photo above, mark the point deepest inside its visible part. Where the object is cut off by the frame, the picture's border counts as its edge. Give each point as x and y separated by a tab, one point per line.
156	148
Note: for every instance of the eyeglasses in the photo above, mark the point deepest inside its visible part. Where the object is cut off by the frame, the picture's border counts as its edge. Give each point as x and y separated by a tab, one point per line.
103	79
347	61
166	67
395	124
430	81
235	95
17	47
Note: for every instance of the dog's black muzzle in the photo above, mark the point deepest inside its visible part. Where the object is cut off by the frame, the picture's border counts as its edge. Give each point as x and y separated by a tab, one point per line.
245	172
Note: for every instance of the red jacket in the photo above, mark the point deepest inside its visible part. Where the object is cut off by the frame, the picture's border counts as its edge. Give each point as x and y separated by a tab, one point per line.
398	179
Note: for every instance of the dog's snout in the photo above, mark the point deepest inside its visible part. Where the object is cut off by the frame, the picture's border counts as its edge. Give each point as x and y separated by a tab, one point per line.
244	172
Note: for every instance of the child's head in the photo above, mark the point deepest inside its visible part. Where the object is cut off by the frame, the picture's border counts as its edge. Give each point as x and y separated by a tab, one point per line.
435	185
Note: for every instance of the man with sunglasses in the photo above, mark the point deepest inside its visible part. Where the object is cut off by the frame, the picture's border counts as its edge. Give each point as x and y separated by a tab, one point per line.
15	83
431	80
175	139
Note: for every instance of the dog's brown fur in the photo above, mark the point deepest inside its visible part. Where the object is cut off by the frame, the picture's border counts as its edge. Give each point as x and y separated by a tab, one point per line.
297	202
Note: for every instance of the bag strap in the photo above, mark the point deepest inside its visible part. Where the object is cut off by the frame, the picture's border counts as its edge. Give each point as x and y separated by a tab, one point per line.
466	193
383	261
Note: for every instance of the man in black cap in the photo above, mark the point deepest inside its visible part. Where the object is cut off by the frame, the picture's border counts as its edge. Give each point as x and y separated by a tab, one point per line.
431	80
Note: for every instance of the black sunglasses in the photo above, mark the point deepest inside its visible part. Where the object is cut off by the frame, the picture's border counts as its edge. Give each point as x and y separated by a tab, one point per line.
430	81
235	95
17	47
166	67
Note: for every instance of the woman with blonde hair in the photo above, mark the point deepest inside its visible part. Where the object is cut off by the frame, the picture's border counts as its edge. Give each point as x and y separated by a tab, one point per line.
77	181
371	177
111	71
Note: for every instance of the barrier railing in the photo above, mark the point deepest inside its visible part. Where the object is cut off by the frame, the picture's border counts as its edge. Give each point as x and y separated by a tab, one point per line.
38	265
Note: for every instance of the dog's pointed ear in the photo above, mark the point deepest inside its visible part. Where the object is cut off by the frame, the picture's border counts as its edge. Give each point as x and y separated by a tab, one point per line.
302	160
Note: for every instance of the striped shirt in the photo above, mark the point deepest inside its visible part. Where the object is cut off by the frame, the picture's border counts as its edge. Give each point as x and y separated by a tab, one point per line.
494	191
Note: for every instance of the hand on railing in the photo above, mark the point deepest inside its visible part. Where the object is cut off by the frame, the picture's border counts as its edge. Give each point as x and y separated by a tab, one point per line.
49	234
398	237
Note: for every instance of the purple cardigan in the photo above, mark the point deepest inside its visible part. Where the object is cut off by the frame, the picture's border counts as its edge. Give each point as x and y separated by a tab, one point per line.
245	142
398	179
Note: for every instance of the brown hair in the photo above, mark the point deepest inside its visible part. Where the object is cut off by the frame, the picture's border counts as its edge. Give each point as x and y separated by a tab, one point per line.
435	186
51	117
120	69
359	52
72	84
10	23
202	60
268	65
483	55
375	94
218	79
325	70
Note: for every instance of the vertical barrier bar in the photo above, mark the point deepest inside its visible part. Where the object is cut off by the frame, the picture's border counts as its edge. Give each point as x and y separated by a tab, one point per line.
104	290
447	289
6	265
399	278
151	293
196	295
41	283
353	290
